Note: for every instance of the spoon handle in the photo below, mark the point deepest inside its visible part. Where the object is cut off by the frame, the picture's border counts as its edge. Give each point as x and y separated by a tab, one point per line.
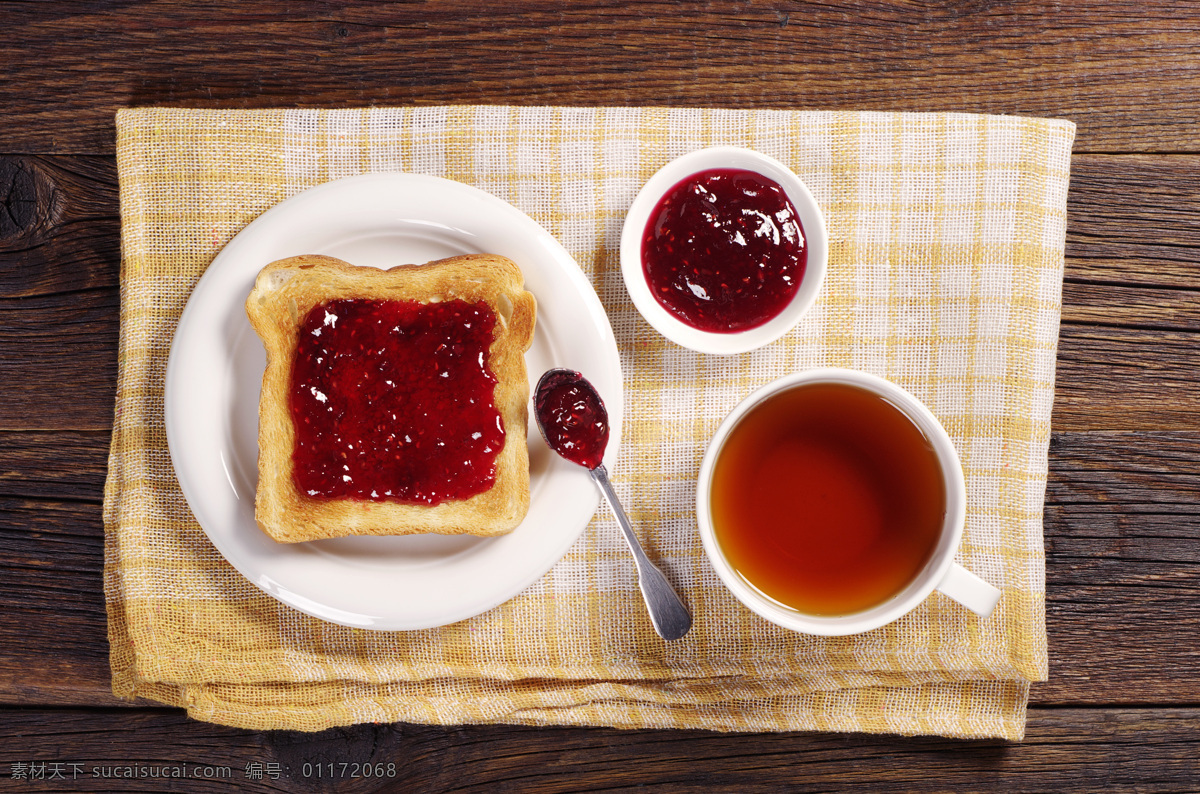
670	617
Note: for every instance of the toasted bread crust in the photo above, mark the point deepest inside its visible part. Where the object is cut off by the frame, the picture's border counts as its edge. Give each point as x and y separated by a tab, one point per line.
283	294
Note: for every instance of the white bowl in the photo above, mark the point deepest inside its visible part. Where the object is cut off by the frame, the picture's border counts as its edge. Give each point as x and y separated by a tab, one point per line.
674	172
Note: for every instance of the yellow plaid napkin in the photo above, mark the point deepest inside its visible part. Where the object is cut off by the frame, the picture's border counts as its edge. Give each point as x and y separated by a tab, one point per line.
947	235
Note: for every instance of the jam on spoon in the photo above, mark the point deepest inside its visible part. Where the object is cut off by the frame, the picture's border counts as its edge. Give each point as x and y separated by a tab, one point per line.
572	417
574	422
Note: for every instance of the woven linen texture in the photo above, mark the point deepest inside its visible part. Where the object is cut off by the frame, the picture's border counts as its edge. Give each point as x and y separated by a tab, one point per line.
945	275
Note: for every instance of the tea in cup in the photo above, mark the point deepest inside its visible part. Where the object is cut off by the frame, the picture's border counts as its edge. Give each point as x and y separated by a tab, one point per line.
832	502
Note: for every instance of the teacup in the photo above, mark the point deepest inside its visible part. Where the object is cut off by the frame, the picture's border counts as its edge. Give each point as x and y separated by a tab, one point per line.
832	502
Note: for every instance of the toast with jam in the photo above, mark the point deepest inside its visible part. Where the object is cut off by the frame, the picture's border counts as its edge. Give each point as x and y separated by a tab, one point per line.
394	401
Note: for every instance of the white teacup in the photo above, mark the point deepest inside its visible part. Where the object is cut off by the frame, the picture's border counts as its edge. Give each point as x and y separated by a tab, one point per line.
940	572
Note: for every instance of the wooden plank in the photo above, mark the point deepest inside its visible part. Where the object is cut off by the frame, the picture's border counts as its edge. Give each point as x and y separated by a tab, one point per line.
1139	307
58	360
1067	750
1133	221
61	339
1123	574
1126	378
54	466
59	225
61	229
53	624
60	232
1127	78
1128	353
1123	568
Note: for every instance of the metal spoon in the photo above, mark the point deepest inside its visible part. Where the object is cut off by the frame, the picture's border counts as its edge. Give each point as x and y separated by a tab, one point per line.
572	418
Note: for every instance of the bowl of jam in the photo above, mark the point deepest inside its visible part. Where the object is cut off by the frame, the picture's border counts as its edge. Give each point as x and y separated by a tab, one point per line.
723	250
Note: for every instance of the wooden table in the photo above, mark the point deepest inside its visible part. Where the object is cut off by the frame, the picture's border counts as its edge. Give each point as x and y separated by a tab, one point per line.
1122	522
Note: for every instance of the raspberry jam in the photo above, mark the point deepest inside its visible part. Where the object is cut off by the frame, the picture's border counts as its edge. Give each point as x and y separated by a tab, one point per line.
572	417
393	401
724	250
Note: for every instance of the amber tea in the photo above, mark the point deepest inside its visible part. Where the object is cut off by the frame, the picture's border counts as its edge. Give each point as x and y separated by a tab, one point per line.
827	498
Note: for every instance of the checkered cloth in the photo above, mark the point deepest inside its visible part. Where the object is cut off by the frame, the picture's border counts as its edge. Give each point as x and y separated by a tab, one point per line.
945	276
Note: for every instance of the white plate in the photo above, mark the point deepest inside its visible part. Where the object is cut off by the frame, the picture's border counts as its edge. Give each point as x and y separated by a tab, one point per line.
214	376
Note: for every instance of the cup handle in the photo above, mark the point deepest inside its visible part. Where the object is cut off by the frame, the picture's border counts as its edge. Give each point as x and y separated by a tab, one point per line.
969	590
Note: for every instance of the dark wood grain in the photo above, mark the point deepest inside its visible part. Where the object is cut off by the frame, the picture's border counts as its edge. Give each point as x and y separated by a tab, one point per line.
1107	380
1127	75
59	225
1123	568
1122	514
59	301
58	360
1065	749
1133	220
60	466
53	633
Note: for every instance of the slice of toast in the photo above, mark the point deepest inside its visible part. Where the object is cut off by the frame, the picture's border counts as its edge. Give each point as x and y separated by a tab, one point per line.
399	401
